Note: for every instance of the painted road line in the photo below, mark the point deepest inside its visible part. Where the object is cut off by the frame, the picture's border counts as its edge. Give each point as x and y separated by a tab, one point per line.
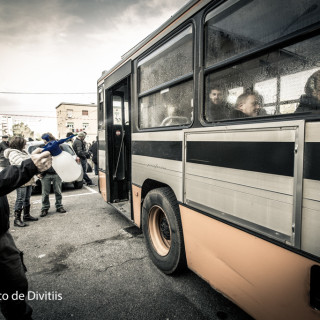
70	196
92	190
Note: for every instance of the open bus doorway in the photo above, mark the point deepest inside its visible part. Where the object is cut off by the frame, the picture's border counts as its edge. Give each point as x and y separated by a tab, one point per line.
118	145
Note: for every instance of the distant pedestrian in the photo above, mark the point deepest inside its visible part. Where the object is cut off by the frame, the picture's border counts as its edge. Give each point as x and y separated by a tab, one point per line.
70	141
4	144
80	149
16	155
94	150
46	178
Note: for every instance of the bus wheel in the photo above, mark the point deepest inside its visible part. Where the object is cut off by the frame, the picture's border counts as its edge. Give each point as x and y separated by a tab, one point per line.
161	224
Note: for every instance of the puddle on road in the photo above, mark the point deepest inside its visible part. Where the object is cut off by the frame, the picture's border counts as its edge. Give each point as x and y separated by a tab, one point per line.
124	234
134	231
57	257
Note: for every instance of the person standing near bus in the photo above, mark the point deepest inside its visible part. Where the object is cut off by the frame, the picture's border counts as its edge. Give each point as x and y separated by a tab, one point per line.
80	149
12	270
4	162
16	155
70	141
46	178
94	150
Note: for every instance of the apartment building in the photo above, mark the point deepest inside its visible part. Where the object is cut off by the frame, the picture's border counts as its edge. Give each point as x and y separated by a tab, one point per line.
76	117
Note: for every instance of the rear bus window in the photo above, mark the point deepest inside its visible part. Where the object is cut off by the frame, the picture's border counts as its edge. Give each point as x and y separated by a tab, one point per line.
282	81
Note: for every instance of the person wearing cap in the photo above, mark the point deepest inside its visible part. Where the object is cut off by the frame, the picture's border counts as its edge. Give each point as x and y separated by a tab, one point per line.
46	178
4	162
80	149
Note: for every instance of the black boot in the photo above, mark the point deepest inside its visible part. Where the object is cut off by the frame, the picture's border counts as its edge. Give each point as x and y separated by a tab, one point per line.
26	214
17	219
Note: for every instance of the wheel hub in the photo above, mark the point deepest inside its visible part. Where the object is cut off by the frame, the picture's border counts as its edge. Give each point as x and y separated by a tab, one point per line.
164	227
159	230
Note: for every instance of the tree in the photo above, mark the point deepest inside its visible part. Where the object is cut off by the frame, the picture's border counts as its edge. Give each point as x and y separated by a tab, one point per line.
23	130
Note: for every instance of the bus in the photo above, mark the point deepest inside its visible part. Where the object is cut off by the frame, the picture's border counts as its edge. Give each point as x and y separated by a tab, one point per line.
209	141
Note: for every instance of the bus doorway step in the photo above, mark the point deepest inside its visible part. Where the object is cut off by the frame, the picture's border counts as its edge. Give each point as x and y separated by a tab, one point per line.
124	207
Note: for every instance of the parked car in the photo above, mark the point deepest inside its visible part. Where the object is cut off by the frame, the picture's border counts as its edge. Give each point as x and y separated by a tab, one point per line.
32	145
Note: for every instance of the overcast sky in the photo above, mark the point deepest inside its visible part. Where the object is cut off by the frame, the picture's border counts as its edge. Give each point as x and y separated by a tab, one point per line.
53	46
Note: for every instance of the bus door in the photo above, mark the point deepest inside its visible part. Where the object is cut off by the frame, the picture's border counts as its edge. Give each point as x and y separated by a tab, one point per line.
118	142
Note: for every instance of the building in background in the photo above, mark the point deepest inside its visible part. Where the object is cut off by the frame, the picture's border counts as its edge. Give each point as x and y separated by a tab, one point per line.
76	117
29	126
6	125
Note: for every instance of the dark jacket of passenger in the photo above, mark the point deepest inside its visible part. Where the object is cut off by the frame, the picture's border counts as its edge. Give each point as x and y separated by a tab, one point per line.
308	103
12	178
216	112
4	162
79	148
235	114
94	150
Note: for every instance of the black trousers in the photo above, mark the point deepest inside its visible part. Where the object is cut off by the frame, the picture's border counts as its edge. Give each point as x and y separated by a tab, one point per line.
13	281
84	167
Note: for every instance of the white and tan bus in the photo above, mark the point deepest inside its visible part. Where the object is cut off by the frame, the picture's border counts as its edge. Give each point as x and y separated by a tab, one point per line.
209	140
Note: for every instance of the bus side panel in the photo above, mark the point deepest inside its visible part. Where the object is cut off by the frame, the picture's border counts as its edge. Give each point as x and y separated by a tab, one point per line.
136	200
267	281
244	175
158	156
310	239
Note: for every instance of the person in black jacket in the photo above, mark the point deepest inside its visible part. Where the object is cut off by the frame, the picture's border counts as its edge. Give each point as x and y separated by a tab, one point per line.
310	101
217	107
12	270
79	148
94	150
4	162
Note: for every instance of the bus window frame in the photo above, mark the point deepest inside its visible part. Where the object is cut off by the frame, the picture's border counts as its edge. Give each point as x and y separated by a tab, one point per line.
176	81
277	44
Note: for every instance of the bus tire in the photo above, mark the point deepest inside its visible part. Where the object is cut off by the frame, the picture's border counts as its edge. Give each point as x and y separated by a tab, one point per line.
162	228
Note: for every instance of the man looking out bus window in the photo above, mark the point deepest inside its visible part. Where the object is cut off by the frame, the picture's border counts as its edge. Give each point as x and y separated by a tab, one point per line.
310	101
217	108
248	104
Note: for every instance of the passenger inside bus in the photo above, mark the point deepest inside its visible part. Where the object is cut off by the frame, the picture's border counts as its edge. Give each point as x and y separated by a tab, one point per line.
174	117
218	107
248	104
310	101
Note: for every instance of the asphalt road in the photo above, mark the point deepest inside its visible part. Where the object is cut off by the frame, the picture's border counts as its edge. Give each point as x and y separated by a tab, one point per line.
91	263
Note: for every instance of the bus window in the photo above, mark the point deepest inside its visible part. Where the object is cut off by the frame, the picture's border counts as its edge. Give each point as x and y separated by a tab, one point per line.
169	107
166	88
274	82
101	124
236	26
117	112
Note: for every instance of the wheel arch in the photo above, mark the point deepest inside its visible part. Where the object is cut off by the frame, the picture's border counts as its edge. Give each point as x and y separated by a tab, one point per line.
140	193
149	185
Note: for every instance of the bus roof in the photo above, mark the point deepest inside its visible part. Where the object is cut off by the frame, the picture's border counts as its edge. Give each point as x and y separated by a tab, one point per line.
181	15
